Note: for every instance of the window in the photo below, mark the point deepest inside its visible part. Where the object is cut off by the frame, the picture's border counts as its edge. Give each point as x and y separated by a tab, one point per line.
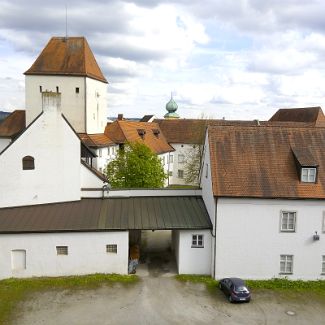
288	221
181	159
171	159
163	160
112	248
101	169
323	264
40	89
170	173
180	173
108	151
286	264
18	259
77	90
197	241
99	152
28	163
61	250
206	170
57	89
308	175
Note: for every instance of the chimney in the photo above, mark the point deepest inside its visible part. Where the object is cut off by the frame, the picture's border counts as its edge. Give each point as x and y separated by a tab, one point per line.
120	117
257	122
51	101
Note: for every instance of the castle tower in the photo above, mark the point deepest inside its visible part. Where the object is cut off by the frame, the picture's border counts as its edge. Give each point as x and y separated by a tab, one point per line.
171	107
67	66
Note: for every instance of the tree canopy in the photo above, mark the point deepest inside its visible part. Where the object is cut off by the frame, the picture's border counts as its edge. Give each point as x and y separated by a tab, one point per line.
136	166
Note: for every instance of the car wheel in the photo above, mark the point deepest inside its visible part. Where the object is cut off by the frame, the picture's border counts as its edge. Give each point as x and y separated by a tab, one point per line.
230	299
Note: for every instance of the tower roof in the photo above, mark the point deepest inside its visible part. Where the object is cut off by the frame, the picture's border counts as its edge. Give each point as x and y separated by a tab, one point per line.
69	56
171	107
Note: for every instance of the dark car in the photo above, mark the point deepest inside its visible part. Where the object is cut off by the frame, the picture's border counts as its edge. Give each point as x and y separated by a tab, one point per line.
235	289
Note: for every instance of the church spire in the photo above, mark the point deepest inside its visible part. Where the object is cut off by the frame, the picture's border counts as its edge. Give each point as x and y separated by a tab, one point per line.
171	107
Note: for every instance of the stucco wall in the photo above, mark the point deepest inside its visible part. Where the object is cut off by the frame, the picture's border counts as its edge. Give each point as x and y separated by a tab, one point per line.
72	104
86	254
56	177
193	260
249	241
3	143
88	179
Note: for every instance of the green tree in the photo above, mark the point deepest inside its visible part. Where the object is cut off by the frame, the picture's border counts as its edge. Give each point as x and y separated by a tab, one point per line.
136	166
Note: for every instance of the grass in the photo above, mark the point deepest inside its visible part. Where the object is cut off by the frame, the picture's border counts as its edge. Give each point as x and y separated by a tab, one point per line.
317	287
13	291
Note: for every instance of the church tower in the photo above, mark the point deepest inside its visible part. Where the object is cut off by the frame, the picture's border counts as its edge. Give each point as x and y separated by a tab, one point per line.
171	107
67	66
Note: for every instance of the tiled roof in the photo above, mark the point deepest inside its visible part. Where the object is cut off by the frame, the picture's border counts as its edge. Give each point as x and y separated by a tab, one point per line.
95	140
108	214
13	124
259	161
70	56
129	131
313	115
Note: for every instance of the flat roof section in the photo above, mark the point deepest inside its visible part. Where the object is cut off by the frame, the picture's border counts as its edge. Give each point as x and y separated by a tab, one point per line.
93	214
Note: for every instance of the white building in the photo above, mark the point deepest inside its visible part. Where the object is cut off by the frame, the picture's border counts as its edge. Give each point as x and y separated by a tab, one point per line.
264	189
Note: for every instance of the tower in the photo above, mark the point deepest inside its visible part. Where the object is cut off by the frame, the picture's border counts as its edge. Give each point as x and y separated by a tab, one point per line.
67	66
171	107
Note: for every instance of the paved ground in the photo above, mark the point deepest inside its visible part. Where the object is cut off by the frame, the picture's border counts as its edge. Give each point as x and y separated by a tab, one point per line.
159	299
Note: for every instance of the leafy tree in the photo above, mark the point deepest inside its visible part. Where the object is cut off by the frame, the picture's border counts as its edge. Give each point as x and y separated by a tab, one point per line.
136	166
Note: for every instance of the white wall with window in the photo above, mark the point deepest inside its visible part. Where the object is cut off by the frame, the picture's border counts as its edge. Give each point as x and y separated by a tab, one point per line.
104	156
61	254
262	239
193	251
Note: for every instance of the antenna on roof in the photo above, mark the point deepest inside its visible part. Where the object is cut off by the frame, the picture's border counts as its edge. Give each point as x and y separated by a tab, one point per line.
66	21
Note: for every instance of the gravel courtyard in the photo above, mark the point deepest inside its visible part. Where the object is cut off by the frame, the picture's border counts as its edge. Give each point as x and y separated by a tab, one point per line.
158	298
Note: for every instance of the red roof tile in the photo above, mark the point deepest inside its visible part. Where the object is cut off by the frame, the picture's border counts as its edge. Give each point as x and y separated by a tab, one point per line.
13	124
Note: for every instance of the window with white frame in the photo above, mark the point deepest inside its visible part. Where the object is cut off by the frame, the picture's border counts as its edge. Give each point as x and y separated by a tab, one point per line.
197	241
308	175
323	264
288	221
111	248
180	173
171	159
181	159
61	250
286	264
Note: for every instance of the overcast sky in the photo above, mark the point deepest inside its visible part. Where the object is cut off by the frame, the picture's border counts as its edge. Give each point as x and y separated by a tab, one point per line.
238	59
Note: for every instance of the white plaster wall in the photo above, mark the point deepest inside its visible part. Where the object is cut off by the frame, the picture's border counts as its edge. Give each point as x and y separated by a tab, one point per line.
96	99
88	179
3	143
249	241
72	104
108	154
87	254
193	260
56	176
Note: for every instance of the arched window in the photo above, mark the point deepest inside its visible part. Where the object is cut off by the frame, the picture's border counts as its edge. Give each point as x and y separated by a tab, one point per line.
28	163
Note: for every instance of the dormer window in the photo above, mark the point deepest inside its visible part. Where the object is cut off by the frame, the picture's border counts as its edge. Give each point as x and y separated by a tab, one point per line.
141	132
156	132
308	175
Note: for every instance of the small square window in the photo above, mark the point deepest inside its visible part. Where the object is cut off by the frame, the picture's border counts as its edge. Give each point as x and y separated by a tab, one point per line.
180	173
170	173
181	159
288	221
111	248
308	175
286	264
77	90
61	250
197	241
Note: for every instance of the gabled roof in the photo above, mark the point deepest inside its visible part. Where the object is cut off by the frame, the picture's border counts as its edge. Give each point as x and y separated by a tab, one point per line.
95	140
129	131
313	115
70	56
175	212
147	118
259	161
13	124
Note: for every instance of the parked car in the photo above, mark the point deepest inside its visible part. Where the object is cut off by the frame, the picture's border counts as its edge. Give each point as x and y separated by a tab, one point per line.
235	289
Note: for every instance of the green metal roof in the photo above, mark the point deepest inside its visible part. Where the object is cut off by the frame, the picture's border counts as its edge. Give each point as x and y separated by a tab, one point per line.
151	213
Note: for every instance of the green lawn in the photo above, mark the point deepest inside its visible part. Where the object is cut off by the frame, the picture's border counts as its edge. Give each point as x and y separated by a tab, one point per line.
317	287
12	291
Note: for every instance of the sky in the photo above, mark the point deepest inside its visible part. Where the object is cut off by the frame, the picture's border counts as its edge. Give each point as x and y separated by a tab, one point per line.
234	59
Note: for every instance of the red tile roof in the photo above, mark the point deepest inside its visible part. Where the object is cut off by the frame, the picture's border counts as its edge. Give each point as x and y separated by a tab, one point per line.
95	140
70	56
129	131
13	124
259	161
